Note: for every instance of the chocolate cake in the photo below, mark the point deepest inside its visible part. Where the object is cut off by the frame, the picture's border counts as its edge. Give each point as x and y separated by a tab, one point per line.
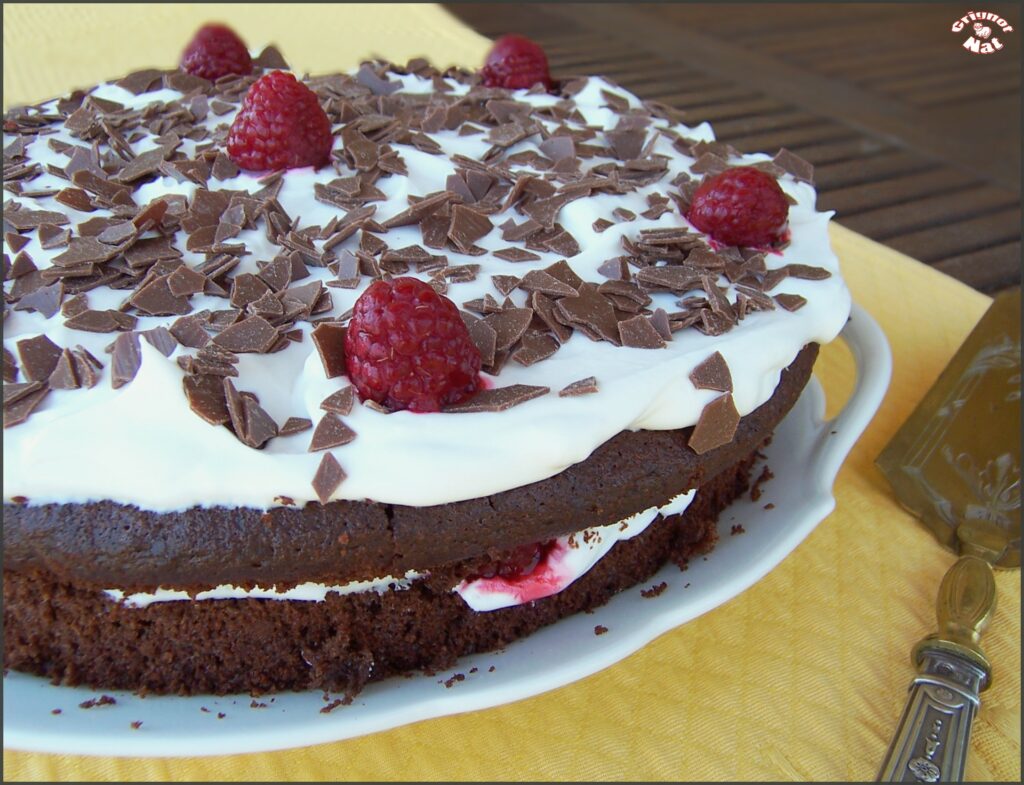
200	496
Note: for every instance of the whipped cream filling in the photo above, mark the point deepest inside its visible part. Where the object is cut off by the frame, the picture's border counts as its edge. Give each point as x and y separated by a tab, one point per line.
142	445
303	592
568	559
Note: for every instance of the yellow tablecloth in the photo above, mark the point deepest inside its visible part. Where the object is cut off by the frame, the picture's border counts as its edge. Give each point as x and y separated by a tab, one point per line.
802	677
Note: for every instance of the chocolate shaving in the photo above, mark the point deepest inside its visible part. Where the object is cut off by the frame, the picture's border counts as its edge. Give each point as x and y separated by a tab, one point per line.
259	426
108	321
791	302
484	337
64	376
87	367
160	339
51	236
515	255
329	339
712	374
144	253
277	274
329	476
514	234
144	164
330	432
623	214
505	284
639	333
247	288
498	399
16	412
563	272
236	408
22	265
29	220
544	308
368	77
10	366
126	358
17	241
558	148
541	281
585	386
361	152
485	305
773	278
562	243
616	269
678	279
45	300
795	165
467	226
592	312
188	330
271	58
73	306
807	272
626	144
339	402
533	348
660	322
39	356
15	392
509	326
206	398
157	299
716	426
710	164
253	334
185	281
294	425
434	229
85	250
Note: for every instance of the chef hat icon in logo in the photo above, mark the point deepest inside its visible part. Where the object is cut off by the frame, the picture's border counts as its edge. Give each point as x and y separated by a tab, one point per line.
981	31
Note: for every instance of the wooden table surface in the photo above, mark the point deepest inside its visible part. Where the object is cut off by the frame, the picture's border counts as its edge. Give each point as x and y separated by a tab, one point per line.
915	141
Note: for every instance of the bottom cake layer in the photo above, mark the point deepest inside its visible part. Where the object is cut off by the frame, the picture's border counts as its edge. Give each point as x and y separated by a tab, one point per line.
79	635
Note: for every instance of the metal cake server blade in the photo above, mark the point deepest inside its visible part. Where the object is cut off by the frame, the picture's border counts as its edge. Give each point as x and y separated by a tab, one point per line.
955	464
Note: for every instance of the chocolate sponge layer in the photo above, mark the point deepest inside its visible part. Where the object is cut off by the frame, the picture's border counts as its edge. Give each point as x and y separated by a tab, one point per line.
73	633
110	544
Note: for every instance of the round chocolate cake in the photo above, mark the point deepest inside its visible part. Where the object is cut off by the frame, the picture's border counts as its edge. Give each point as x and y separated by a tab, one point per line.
312	382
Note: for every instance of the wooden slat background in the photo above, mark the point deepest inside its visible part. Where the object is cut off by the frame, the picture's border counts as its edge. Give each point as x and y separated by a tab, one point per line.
916	142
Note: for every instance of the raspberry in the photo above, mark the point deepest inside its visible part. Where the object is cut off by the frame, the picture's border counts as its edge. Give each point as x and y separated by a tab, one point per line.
408	348
515	62
280	126
216	51
520	562
740	206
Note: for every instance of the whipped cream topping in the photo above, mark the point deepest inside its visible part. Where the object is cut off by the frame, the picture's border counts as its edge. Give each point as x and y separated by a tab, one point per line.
568	559
142	445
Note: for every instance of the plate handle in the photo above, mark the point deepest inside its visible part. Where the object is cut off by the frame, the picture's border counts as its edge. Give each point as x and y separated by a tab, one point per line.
873	359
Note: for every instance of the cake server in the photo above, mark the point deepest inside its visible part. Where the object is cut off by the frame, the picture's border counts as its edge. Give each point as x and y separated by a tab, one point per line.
956	465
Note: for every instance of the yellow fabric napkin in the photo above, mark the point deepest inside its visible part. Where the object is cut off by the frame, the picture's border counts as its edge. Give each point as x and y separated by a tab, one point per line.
802	677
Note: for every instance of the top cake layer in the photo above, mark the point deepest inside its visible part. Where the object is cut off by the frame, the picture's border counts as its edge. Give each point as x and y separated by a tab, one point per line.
478	190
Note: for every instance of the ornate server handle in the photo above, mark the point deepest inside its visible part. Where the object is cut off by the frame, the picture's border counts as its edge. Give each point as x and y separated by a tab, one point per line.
931	742
932	739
